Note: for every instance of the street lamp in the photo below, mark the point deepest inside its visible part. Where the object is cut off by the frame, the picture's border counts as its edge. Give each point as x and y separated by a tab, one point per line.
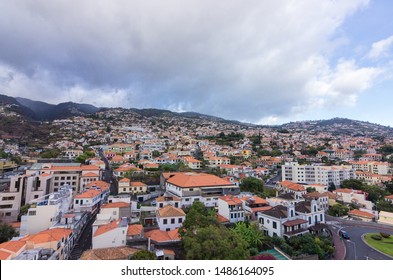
354	246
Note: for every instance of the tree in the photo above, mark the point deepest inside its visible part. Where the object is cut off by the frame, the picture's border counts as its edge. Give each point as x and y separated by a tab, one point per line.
143	255
214	243
6	232
250	233
352	184
338	210
251	184
155	153
198	217
311	189
375	193
383	205
23	211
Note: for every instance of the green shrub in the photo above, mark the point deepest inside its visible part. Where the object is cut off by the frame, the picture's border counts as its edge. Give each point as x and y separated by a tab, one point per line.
376	237
384	234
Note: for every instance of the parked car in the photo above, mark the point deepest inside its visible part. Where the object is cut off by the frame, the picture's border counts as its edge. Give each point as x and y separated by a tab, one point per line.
343	234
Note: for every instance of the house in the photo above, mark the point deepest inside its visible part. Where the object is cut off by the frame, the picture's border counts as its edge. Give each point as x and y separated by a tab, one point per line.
291	187
113	234
290	220
91	199
192	162
160	237
58	240
389	198
116	210
354	196
207	188
116	253
166	200
135	232
321	198
361	215
231	208
254	204
170	218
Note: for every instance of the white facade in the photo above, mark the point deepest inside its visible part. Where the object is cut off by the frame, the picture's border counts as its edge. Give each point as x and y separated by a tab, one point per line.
231	208
170	218
111	235
46	211
310	174
290	220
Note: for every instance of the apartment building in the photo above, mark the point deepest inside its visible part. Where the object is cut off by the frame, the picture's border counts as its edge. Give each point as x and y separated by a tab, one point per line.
310	174
46	211
207	188
374	167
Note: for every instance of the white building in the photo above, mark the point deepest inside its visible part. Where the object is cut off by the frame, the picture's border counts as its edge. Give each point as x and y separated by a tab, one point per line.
310	174
354	196
207	188
46	211
170	218
110	235
231	208
290	220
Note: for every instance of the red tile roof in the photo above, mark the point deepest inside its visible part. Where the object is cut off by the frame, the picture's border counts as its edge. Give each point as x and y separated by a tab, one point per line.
188	180
160	236
116	205
231	200
170	211
106	228
135	229
360	213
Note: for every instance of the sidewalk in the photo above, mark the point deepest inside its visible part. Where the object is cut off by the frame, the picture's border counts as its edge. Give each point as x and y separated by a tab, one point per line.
340	249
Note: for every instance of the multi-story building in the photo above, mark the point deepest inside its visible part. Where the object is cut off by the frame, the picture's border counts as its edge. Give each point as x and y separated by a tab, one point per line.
207	188
310	174
291	220
375	167
231	208
46	211
113	234
356	197
170	218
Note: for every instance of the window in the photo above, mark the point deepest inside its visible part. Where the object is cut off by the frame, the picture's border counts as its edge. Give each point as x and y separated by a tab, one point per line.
261	220
161	205
180	220
8	214
172	221
165	221
274	224
309	220
191	190
9	198
77	201
36	196
6	206
114	213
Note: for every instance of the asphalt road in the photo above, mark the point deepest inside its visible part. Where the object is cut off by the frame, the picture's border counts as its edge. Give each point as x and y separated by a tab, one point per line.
356	248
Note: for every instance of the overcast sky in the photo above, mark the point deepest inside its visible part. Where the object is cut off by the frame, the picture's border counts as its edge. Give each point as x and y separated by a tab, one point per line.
265	62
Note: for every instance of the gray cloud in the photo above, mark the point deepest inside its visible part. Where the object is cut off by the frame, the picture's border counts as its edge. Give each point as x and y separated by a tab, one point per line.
249	60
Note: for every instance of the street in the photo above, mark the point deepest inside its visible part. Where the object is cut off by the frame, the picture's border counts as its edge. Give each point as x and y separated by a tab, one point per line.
356	249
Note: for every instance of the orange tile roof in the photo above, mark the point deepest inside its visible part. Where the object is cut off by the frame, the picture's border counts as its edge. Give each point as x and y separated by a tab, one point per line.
292	186
389	196
124	180
137	184
90	167
343	191
361	213
231	200
187	180
89	194
13	246
221	219
167	198
135	229
163	236
4	255
106	228
90	174
98	183
261	209
256	199
116	205
170	211
45	175
49	235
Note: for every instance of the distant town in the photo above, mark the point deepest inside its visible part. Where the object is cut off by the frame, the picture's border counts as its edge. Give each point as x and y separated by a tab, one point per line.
80	182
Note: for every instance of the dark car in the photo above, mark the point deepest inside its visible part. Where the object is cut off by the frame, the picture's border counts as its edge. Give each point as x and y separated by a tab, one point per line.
344	234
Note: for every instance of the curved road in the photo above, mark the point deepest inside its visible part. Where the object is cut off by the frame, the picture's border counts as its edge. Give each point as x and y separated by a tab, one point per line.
356	248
